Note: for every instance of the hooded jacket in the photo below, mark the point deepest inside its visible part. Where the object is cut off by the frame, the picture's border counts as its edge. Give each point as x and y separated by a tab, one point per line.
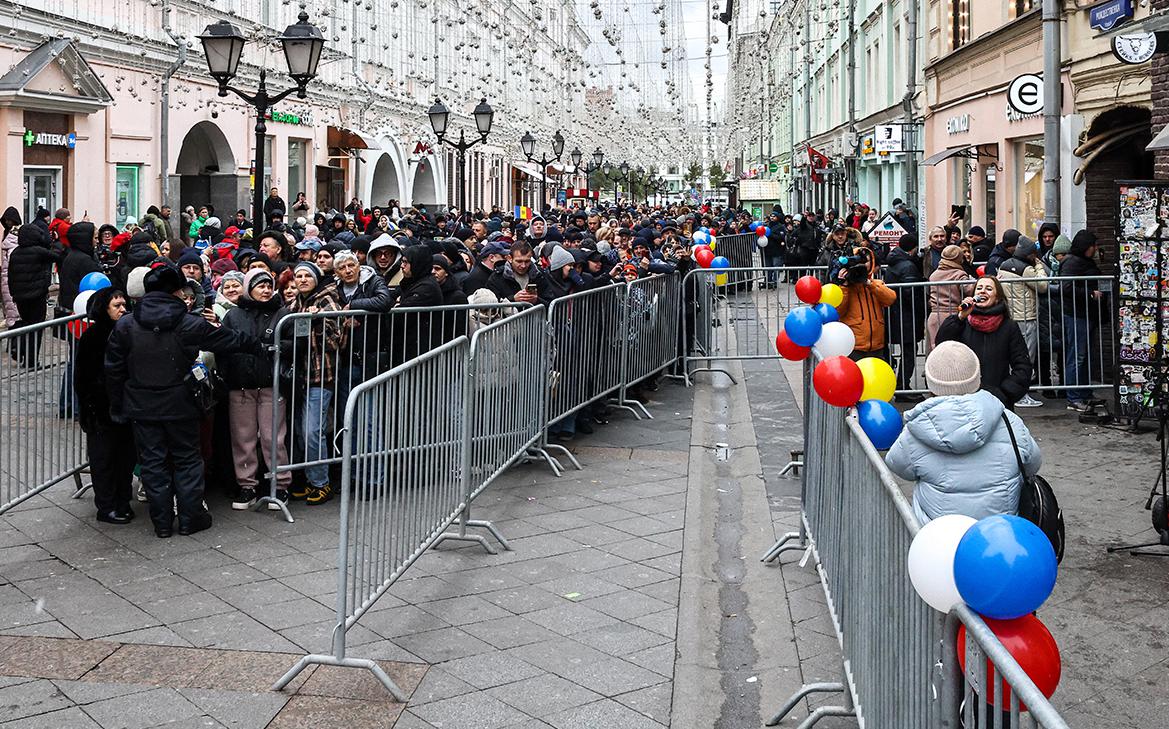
150	354
7	246
1023	297
959	452
89	372
1000	252
79	261
1077	296
907	315
417	332
30	266
863	310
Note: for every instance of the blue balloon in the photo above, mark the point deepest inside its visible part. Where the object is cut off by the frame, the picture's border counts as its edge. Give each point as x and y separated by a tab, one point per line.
1005	567
827	312
766	230
95	281
704	229
803	325
720	262
880	421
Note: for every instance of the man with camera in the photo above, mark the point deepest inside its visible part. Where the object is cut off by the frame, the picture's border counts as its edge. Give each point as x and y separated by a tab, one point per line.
864	303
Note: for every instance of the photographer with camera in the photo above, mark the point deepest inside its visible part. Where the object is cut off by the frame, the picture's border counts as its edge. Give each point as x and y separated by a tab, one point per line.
864	303
984	324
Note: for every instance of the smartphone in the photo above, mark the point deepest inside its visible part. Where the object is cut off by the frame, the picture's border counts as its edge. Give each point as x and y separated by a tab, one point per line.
958	211
531	289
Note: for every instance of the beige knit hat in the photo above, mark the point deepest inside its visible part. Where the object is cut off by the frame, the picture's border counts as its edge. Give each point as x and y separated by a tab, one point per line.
952	369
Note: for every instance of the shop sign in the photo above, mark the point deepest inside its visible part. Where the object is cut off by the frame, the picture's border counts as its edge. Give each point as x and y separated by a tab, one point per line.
889	138
1109	14
958	124
887	231
1025	94
283	117
46	139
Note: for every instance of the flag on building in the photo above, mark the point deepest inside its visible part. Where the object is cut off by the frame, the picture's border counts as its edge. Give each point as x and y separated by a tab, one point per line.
819	163
522	212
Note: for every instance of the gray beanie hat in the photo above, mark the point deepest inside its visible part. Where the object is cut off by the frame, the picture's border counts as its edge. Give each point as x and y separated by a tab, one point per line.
1025	248
952	369
560	258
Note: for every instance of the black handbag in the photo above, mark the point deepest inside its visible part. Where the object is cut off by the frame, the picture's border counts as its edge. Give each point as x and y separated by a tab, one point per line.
1037	502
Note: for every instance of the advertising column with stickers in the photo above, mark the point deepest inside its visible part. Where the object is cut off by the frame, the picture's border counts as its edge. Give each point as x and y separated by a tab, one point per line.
1142	233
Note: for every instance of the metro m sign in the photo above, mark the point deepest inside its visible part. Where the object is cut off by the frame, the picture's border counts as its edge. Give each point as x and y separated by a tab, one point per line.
421	149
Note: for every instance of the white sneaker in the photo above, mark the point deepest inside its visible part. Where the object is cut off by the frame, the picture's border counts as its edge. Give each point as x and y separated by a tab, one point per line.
1028	402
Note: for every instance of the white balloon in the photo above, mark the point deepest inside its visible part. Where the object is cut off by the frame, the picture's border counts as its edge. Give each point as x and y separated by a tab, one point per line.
836	340
931	560
81	303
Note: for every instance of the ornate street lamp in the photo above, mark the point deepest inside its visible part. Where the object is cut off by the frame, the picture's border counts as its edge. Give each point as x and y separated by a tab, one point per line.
223	46
440	117
528	147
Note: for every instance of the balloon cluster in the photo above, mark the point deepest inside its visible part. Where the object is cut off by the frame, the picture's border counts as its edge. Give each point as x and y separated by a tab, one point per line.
92	283
762	231
838	380
704	236
1004	568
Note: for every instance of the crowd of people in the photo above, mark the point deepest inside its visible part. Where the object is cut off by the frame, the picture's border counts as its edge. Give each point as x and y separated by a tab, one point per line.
1027	308
174	376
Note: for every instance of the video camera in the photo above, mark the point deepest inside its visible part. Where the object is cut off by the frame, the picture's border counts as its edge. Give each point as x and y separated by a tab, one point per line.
856	267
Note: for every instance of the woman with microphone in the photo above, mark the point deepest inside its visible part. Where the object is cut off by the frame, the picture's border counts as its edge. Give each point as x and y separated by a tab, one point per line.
983	323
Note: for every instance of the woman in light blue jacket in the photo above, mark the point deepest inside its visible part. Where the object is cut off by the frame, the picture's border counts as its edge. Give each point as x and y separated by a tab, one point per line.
957	447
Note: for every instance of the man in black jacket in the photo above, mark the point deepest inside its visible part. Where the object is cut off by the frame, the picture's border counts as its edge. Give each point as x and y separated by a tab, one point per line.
368	346
515	279
416	332
30	271
905	321
1082	302
490	256
152	379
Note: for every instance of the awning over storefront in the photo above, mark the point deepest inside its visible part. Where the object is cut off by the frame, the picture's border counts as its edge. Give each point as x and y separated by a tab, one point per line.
349	139
528	169
968	151
54	77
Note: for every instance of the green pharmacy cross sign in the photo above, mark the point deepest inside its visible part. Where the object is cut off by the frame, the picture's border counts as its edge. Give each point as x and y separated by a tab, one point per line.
47	139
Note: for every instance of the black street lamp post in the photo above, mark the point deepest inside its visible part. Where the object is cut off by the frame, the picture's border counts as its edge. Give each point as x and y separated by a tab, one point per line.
440	116
528	147
589	169
223	45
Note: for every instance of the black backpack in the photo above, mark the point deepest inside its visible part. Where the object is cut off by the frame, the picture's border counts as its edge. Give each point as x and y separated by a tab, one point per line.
1037	502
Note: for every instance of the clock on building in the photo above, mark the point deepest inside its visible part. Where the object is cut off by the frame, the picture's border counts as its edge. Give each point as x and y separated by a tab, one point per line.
1134	47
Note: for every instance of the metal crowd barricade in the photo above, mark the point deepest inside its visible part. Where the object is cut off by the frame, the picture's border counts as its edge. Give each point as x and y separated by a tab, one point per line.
351	347
508	365
899	658
403	483
42	442
588	331
1069	324
653	307
741	251
737	325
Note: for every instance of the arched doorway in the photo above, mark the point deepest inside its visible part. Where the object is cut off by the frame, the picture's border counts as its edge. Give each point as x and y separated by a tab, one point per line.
384	182
206	170
424	190
1113	148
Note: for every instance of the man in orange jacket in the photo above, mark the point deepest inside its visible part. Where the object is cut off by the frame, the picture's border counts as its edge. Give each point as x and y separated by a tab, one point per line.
864	304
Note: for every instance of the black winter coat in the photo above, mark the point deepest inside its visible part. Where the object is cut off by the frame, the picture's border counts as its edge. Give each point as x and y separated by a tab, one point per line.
905	322
477	279
248	370
30	265
89	368
503	284
1076	296
454	323
370	340
1003	355
416	333
79	261
150	355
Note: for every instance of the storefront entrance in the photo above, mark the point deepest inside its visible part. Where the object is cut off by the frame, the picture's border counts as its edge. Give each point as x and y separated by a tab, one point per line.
41	190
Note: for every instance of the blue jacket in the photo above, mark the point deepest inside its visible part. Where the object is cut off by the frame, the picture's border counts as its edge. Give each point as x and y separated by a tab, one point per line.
959	452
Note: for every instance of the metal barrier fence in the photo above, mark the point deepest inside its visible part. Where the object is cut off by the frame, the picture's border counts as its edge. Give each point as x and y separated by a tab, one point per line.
653	308
900	665
403	483
41	443
741	251
319	358
1069	332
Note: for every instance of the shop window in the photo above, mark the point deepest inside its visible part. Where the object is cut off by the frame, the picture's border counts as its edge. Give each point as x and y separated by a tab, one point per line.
1021	7
961	169
1029	186
989	225
126	194
296	168
959	23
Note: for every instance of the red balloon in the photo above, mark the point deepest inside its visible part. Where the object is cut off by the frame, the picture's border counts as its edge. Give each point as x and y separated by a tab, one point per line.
700	247
808	290
77	327
704	256
789	349
761	230
838	381
981	270
1030	643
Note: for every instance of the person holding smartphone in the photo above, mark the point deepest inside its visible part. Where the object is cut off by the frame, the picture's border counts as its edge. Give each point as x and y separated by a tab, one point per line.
984	324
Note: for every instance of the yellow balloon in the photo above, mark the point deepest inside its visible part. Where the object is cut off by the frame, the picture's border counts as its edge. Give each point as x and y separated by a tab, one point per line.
712	245
831	294
880	381
720	279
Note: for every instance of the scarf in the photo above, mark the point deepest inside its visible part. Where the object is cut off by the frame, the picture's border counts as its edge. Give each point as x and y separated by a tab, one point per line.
987	320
